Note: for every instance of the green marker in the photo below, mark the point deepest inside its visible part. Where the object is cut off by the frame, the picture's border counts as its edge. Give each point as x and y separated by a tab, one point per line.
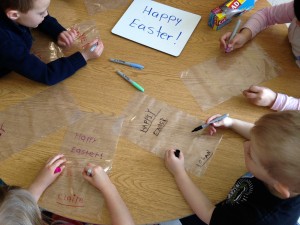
135	84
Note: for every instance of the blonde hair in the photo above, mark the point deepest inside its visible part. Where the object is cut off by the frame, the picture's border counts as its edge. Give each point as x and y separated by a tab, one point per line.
276	136
18	207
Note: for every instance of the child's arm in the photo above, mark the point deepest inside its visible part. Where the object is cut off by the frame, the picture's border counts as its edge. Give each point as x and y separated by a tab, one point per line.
47	176
119	212
65	38
196	199
263	96
51	27
241	127
279	14
285	102
16	57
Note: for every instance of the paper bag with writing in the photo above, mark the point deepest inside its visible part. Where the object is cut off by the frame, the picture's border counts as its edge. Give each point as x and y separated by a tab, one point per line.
92	139
156	127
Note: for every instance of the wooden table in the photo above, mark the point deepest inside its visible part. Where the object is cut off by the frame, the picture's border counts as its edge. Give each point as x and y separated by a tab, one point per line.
141	178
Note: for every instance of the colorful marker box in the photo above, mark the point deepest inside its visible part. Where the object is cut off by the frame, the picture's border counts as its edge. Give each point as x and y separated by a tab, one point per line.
224	13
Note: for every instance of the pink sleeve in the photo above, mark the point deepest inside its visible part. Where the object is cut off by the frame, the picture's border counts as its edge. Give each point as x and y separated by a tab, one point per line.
279	14
284	102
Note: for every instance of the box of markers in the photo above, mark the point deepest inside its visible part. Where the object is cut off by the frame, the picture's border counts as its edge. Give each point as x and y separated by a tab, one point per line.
223	14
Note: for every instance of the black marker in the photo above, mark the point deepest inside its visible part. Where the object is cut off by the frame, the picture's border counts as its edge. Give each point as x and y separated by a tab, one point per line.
211	122
177	152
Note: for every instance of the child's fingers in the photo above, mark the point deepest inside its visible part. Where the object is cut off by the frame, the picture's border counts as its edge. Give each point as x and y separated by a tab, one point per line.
250	95
73	33
168	154
68	40
233	44
212	117
95	41
225	37
58	162
99	49
90	165
255	89
212	130
223	41
54	158
89	169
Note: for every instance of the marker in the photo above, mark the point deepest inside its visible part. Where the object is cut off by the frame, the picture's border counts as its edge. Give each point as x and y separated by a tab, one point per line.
94	46
177	152
238	23
89	172
135	84
211	122
57	170
133	65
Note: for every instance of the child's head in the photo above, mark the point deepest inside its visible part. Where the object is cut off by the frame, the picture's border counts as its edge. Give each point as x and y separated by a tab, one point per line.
21	5
275	147
17	206
29	13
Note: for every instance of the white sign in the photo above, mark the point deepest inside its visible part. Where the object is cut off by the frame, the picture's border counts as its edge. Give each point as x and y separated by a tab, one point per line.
156	25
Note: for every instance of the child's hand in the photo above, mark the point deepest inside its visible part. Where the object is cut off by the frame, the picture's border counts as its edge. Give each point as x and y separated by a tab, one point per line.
95	52
52	169
174	164
97	177
227	122
237	42
260	96
66	38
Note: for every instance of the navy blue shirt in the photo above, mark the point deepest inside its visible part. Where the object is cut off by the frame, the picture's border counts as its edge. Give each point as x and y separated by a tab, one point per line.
250	203
15	45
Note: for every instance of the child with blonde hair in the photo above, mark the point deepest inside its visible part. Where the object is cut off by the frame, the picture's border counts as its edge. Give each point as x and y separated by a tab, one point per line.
270	193
19	206
16	19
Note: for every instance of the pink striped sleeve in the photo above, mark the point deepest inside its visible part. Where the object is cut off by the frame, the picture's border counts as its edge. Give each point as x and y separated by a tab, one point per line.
279	14
284	102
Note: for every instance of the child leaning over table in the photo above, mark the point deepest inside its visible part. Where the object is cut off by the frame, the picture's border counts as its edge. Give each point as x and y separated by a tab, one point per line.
16	19
269	193
279	14
19	206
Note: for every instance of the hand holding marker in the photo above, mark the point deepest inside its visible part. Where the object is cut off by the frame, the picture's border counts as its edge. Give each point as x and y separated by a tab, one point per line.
94	46
238	23
177	153
211	122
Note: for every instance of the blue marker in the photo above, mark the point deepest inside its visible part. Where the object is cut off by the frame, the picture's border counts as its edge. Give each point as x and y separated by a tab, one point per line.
133	65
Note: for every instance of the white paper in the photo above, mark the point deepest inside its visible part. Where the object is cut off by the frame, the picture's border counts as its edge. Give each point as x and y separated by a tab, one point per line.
156	25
